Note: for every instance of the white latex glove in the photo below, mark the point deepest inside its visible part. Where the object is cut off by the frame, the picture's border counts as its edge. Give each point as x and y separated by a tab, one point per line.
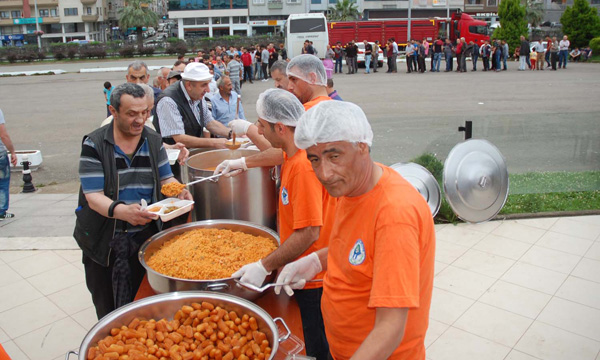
298	272
254	273
231	167
239	126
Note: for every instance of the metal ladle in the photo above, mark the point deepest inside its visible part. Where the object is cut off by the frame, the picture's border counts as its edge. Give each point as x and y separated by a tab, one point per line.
265	287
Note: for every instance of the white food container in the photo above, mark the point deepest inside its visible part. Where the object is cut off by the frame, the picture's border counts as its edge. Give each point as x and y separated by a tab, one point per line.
173	154
183	205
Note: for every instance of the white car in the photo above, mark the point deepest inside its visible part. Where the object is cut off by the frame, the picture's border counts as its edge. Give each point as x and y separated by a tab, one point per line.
534	44
360	58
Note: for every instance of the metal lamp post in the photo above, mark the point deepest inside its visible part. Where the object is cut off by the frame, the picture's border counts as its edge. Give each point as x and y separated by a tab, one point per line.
37	25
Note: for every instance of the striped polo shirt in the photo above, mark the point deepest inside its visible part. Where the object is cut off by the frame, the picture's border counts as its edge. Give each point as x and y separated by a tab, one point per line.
135	173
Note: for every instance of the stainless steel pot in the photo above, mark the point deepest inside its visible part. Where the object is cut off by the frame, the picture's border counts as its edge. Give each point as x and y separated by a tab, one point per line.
161	283
166	305
250	196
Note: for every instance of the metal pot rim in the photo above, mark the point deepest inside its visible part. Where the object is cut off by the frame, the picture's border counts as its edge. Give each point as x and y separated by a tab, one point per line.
204	153
192	225
183	295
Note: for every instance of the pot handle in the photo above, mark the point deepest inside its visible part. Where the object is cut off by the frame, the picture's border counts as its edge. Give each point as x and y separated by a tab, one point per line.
275	173
286	336
217	287
69	354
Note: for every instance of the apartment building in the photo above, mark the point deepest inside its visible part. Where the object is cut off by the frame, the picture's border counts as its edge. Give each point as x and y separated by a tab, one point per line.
58	20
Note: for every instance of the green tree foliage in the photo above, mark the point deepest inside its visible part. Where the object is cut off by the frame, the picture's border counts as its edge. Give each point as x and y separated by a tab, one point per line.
534	12
595	45
513	23
581	23
137	14
344	10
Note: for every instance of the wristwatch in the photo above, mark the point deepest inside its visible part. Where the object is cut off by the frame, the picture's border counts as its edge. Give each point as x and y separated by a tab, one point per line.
111	208
230	134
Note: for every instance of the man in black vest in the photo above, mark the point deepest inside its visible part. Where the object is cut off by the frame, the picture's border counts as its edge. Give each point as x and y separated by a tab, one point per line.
182	113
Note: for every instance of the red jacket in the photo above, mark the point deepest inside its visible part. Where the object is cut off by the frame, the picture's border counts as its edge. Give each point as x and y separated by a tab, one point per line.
247	59
459	47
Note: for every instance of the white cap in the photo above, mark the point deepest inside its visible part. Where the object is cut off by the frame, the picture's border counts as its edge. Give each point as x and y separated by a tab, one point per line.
308	68
331	121
196	72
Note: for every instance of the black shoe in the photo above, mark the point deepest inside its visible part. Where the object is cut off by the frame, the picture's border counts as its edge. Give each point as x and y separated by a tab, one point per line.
6	216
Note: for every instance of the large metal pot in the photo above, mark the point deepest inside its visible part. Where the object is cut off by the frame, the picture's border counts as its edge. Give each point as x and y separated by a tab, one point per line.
166	305
250	196
161	283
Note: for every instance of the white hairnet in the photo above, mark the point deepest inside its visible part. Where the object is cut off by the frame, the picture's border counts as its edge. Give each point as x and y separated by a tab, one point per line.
276	105
330	121
308	68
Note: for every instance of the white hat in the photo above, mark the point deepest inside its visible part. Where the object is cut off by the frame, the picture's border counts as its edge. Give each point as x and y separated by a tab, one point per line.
196	72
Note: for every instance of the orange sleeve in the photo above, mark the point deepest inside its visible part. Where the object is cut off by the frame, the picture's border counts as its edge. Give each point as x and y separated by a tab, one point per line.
3	354
306	198
395	267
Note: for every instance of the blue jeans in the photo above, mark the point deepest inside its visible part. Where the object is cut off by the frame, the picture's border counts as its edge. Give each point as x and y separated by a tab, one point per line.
437	60
367	63
257	71
449	62
474	59
338	65
562	58
4	181
504	57
498	61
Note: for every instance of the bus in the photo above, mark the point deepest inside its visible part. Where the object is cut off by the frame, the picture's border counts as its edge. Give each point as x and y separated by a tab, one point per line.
302	27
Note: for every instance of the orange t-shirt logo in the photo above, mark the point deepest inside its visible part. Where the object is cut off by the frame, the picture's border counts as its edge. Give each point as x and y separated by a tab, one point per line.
285	199
357	254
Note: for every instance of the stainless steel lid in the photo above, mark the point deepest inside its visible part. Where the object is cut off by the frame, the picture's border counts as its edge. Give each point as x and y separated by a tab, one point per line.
475	180
423	181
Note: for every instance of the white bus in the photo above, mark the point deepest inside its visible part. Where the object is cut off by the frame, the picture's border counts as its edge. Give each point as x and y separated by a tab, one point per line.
302	27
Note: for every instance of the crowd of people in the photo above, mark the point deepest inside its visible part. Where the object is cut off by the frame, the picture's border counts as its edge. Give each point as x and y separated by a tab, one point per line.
493	55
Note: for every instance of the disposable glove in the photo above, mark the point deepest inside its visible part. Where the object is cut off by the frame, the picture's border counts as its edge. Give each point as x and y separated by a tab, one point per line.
254	273
297	273
231	167
239	126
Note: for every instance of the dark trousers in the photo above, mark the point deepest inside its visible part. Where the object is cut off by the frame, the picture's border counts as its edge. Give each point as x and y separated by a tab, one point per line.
389	64
99	278
409	64
449	61
474	57
553	59
108	111
264	71
375	63
338	65
486	63
309	302
459	62
248	73
547	58
421	63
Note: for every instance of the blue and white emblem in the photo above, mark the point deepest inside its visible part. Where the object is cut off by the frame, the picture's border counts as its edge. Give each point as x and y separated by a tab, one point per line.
357	254
285	199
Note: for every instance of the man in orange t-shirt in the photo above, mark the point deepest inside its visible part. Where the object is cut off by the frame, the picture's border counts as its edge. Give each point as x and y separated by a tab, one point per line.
379	280
308	82
305	213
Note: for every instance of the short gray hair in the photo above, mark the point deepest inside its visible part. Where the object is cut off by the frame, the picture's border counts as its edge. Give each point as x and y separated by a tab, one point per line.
280	65
148	90
125	89
221	81
160	72
137	65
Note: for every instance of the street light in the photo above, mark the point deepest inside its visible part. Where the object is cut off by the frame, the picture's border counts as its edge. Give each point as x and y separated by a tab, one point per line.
37	26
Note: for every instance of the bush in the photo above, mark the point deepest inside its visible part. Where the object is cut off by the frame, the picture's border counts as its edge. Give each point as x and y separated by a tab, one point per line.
595	46
72	50
436	168
59	50
113	47
12	55
146	51
127	51
92	50
29	53
179	47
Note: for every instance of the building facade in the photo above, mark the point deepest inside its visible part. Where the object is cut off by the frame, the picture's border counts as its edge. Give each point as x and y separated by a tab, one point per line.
59	21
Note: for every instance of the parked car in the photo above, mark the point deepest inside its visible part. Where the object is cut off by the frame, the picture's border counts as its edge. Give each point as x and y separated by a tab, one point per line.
534	43
151	31
360	58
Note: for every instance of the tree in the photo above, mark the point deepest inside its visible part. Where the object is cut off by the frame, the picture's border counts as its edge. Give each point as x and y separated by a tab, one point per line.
344	10
581	23
534	12
137	14
513	23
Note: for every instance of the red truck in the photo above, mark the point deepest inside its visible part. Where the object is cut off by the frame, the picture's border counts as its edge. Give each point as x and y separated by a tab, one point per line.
461	25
